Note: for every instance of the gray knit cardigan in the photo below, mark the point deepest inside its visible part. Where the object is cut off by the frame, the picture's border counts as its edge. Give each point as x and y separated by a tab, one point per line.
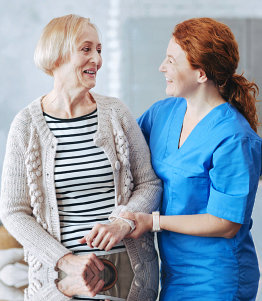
28	205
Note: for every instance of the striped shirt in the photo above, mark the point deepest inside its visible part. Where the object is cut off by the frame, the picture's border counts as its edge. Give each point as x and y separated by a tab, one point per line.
83	180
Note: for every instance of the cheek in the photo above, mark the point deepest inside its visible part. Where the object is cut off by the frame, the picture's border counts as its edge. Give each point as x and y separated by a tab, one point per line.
180	74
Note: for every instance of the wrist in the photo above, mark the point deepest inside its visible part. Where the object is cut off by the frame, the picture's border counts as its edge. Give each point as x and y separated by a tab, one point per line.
123	222
63	288
63	262
156	221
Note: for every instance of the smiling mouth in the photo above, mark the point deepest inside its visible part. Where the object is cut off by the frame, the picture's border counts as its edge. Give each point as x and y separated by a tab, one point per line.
90	72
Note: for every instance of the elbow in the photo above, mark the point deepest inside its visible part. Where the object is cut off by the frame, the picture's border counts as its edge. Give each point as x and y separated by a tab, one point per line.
232	232
229	235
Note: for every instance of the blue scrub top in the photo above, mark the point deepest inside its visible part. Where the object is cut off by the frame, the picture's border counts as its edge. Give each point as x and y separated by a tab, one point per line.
215	171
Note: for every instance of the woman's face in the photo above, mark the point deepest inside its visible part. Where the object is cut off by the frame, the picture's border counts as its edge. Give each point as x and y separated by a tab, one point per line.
181	78
84	62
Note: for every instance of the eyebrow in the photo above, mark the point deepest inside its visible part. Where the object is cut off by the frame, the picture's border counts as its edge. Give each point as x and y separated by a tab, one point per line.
89	42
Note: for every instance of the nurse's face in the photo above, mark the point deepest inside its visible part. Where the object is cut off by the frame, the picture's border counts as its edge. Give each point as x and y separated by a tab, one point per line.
181	78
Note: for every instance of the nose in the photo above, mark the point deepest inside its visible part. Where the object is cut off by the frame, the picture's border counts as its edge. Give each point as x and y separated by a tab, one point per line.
96	59
162	67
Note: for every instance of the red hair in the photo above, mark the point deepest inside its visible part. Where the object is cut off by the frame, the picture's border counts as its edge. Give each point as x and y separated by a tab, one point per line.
211	46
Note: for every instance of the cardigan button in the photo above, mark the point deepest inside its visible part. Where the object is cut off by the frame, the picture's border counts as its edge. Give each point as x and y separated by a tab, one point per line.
38	173
139	282
117	165
98	142
127	181
138	267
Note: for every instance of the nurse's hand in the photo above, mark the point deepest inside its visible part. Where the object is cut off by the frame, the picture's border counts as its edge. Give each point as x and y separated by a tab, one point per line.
106	236
143	223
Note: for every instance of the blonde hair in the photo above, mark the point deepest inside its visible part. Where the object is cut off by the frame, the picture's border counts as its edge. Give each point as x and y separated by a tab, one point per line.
58	40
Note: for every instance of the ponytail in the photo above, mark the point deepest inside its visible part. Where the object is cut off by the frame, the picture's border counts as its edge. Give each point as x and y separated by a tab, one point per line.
242	94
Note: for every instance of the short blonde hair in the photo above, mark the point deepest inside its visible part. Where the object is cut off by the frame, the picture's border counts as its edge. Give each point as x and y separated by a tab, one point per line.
57	41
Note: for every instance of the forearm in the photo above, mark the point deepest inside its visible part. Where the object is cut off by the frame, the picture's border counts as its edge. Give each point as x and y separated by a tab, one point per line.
205	225
146	196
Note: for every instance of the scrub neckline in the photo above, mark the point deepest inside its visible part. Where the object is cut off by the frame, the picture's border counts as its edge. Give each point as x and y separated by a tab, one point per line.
199	124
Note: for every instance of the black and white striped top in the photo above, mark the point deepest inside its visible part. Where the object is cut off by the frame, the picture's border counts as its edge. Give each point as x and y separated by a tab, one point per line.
83	180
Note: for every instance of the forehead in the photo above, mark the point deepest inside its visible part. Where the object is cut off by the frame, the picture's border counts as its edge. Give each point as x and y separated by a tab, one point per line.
87	34
175	50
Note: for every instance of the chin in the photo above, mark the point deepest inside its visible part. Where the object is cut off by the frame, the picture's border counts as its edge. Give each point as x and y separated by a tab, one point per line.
89	85
169	92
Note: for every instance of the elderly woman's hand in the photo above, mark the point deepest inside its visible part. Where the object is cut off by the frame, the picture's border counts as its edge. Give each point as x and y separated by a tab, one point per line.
106	236
82	275
73	285
143	223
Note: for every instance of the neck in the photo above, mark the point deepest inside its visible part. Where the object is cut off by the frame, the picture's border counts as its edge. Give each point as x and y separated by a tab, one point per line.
204	100
68	102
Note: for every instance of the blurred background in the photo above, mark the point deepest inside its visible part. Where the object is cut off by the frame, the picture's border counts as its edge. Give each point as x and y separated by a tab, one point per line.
134	34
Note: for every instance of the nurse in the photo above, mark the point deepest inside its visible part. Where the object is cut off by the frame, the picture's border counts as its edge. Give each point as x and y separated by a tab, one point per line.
206	151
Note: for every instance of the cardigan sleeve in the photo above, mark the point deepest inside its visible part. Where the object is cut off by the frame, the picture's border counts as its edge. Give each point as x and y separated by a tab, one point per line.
15	209
147	191
48	292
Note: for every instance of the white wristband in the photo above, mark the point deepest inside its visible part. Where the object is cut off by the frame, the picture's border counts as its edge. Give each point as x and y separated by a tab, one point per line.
156	221
130	223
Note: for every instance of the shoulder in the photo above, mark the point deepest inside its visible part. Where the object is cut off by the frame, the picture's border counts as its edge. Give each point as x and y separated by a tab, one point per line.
231	123
112	105
20	127
160	111
21	122
231	136
167	104
106	101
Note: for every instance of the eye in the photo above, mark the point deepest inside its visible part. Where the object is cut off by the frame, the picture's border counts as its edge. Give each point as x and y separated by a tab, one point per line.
86	49
170	59
99	50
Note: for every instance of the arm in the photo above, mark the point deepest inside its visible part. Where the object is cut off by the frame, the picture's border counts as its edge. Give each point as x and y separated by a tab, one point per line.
200	225
147	191
15	208
205	225
234	176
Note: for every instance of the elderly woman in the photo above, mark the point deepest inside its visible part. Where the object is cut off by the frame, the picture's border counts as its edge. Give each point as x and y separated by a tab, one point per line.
73	159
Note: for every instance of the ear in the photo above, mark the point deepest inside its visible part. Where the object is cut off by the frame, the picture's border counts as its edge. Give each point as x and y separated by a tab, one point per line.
202	77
